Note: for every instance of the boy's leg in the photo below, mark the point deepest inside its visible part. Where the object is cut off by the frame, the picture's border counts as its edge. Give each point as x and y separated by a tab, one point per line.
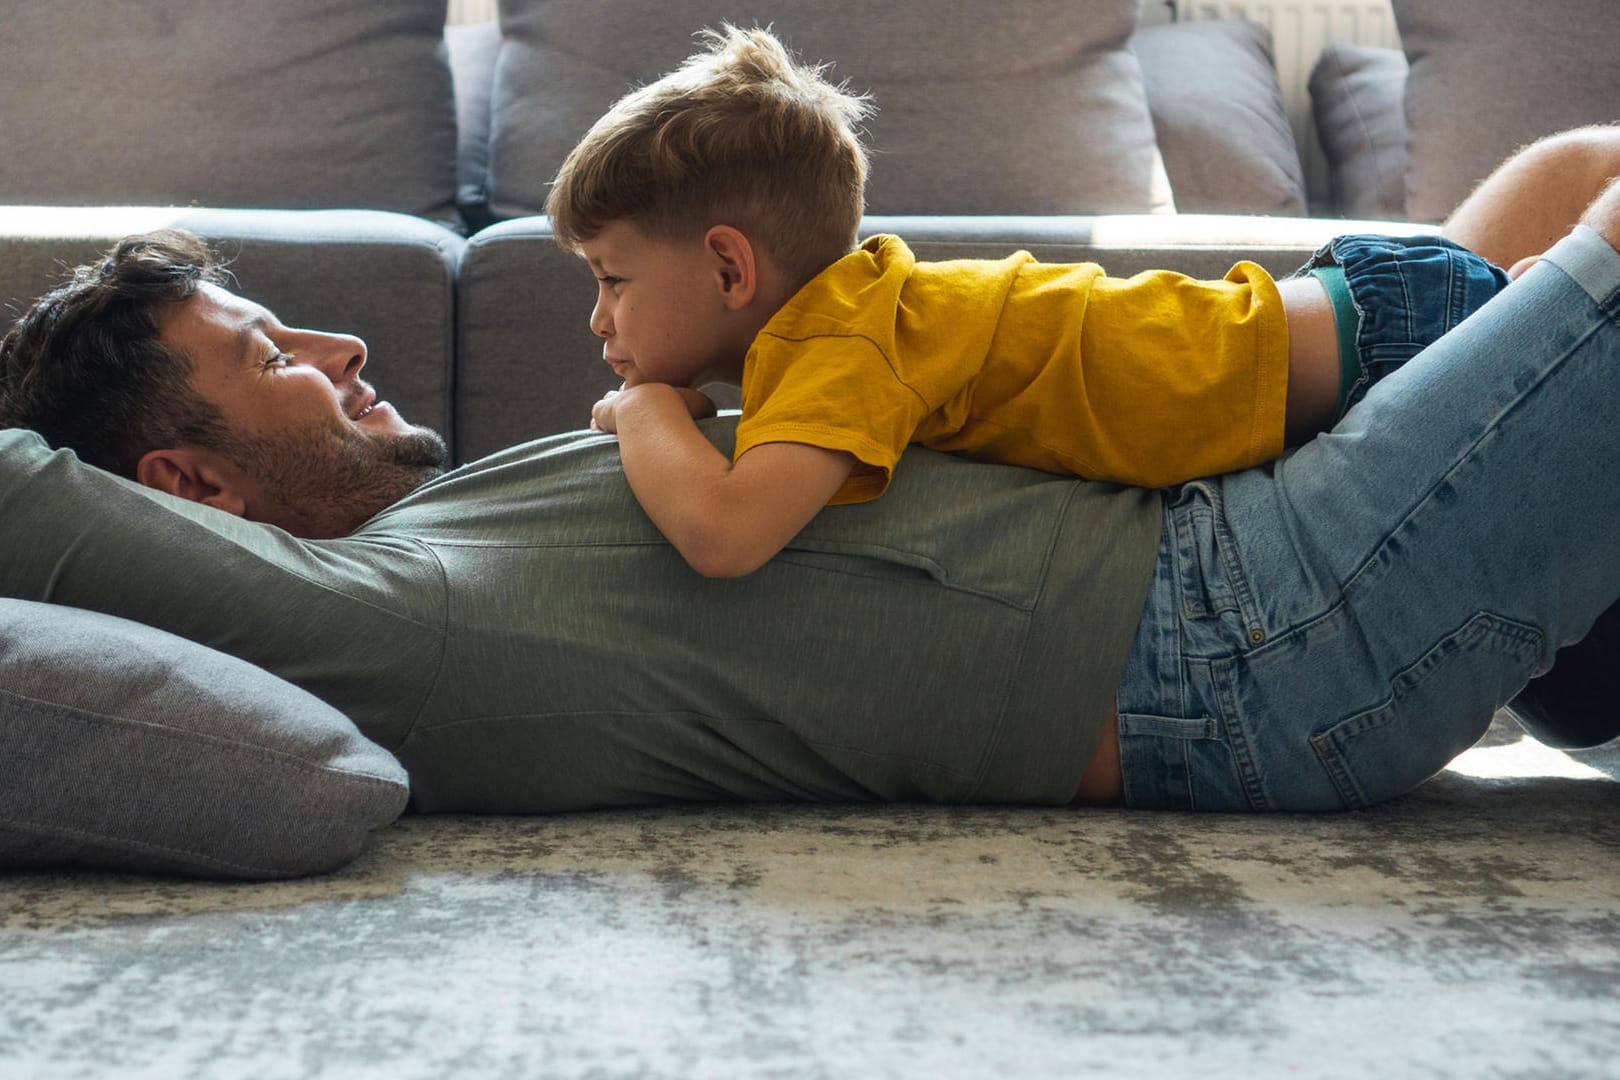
1536	196
1349	619
1516	213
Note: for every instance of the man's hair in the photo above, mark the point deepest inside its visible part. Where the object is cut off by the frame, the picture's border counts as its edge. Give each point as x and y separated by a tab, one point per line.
84	366
741	134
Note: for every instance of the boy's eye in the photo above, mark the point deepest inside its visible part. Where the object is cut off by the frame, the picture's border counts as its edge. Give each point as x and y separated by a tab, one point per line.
609	280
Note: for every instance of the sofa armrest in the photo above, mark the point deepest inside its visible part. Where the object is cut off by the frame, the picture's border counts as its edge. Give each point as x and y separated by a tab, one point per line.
387	277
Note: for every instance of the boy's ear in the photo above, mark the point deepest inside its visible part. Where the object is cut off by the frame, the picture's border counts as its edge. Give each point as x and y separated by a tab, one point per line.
735	265
195	474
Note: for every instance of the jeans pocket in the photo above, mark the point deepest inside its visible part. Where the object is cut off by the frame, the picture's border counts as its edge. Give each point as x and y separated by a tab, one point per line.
1211	579
1437	707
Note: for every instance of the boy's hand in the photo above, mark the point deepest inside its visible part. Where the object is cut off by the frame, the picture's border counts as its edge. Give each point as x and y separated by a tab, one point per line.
604	414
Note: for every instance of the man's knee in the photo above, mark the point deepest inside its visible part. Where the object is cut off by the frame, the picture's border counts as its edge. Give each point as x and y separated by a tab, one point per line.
1604	214
1592	152
1590	137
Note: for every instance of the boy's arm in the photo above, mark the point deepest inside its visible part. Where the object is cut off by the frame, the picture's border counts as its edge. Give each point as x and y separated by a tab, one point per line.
725	518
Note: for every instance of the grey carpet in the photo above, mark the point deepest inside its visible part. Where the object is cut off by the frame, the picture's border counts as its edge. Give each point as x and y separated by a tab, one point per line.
1471	929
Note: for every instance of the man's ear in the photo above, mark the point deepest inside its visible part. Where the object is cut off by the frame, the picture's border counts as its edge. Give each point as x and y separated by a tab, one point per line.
735	265
194	474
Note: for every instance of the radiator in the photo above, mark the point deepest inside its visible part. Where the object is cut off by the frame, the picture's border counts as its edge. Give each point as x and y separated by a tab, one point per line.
470	11
1299	31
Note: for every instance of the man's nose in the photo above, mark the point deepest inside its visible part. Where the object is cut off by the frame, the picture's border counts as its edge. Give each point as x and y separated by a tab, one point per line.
339	356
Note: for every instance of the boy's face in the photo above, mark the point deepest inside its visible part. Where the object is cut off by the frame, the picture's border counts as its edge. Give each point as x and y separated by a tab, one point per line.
658	310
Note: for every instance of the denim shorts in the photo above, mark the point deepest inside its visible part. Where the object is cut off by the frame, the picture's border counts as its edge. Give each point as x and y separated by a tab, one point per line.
1406	291
1327	631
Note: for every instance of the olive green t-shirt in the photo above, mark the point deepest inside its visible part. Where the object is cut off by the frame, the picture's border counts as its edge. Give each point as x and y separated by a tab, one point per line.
524	640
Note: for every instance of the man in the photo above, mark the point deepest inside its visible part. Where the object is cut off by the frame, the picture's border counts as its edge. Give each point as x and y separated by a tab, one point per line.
1320	634
516	631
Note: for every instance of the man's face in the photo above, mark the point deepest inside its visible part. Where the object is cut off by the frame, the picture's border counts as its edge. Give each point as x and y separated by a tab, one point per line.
316	452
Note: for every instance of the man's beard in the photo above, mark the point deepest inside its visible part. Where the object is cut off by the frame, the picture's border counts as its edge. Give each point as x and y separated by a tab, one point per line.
326	481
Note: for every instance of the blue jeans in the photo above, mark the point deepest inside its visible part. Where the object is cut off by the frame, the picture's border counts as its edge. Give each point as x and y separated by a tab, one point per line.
1330	630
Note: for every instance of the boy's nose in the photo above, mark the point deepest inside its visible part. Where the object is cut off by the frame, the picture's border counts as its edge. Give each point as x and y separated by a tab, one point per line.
601	322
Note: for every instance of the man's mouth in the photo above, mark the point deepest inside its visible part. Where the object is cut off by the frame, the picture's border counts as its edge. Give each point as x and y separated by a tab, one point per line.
368	402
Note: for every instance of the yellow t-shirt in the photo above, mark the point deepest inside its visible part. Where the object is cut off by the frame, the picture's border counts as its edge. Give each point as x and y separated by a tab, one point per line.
1149	380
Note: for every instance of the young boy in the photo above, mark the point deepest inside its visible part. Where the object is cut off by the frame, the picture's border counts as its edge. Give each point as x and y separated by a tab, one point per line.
718	209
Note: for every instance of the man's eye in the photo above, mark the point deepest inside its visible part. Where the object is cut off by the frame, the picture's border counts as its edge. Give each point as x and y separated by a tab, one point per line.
278	359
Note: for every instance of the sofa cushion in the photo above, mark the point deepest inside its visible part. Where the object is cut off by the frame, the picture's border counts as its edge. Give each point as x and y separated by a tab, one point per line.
1488	77
1219	114
1039	109
472	49
259	103
125	747
1356	100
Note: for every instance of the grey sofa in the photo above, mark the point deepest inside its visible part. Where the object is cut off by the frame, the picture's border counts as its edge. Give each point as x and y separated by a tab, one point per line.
368	170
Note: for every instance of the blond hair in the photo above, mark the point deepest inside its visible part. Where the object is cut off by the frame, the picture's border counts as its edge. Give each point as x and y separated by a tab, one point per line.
741	134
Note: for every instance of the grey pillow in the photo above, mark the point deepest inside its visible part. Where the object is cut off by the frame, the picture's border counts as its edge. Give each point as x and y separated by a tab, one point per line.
1033	108
294	104
125	747
1356	100
1218	110
472	49
1489	76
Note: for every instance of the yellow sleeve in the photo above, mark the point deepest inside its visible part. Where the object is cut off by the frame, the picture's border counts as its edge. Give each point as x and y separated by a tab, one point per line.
836	391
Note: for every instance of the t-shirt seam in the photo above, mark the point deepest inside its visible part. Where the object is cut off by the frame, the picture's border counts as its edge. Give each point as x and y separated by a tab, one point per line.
993	740
444	646
855	442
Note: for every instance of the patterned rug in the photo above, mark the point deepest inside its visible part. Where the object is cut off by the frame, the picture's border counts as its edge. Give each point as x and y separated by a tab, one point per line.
1471	930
